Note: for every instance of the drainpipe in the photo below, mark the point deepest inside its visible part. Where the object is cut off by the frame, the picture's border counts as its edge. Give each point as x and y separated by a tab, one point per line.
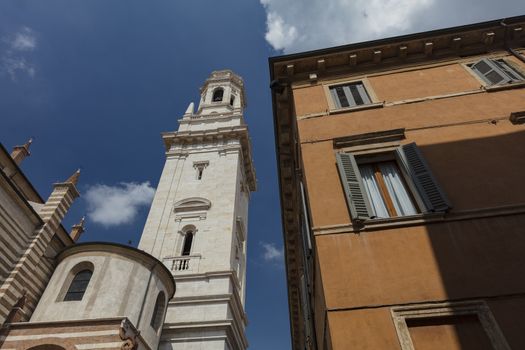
506	44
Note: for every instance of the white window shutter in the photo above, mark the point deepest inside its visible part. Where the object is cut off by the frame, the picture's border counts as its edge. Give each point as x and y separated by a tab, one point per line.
429	190
355	195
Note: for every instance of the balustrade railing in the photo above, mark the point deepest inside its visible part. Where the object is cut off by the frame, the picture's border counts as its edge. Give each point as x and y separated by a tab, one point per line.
181	264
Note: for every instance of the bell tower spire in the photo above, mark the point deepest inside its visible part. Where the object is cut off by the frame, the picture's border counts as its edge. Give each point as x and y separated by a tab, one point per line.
197	224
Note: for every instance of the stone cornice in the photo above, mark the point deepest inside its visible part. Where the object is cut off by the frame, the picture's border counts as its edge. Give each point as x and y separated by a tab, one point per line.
400	51
217	274
227	325
180	139
199	118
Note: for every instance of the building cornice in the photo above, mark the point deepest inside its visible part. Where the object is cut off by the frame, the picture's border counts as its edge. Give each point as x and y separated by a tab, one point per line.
212	118
241	342
400	51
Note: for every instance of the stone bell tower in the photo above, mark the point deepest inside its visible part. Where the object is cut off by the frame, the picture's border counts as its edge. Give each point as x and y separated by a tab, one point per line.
197	224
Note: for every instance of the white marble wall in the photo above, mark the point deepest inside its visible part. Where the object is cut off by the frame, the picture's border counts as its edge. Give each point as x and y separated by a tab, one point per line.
207	311
118	287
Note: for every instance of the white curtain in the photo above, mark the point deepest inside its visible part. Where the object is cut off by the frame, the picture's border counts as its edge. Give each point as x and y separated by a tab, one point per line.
396	189
372	190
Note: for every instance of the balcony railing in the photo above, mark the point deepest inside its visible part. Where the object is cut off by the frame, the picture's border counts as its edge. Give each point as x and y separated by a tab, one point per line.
183	264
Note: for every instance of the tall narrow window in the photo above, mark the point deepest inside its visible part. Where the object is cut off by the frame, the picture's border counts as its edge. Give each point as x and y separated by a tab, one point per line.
158	311
217	95
232	100
78	286
386	190
199	167
188	240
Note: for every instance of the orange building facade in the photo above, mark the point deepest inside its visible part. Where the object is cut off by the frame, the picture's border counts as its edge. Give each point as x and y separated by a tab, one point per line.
401	164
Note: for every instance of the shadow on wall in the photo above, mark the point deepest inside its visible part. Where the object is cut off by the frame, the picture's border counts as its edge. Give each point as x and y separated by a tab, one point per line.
481	258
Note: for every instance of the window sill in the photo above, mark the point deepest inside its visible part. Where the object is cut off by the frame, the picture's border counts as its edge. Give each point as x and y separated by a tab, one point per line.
356	108
515	85
373	224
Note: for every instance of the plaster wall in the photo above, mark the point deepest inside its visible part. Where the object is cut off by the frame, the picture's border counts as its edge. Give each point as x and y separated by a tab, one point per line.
374	329
477	157
455	260
452	152
118	287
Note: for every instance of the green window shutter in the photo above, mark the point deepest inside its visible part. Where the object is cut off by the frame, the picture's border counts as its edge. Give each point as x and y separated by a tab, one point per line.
428	188
355	195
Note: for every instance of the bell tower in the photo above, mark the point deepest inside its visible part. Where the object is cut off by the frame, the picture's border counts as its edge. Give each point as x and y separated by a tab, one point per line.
197	224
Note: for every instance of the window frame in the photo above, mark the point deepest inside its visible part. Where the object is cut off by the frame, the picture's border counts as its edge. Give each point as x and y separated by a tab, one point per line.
199	167
66	283
393	156
479	308
69	292
484	82
417	181
332	105
158	314
187	238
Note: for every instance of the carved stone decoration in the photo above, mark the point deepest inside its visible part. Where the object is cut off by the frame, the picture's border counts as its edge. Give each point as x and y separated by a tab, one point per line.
128	334
192	204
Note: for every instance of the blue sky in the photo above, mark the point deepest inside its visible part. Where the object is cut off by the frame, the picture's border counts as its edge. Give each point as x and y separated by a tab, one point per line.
95	82
108	77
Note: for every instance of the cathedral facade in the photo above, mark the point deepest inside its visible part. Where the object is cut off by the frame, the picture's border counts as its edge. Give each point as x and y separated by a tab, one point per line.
57	294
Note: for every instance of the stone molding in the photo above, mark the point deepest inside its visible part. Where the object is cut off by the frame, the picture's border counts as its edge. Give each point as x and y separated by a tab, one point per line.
192	204
479	308
405	50
421	219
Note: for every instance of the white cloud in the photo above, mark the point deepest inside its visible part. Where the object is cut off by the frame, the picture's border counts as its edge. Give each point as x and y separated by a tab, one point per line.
13	65
313	24
24	40
117	205
271	253
16	49
279	34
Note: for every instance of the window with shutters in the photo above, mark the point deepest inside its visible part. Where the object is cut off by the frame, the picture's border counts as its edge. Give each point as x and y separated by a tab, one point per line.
391	184
496	71
350	95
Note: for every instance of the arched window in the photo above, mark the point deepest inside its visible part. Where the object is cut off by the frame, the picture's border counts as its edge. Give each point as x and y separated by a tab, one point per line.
78	285
232	100
217	95
188	240
158	311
